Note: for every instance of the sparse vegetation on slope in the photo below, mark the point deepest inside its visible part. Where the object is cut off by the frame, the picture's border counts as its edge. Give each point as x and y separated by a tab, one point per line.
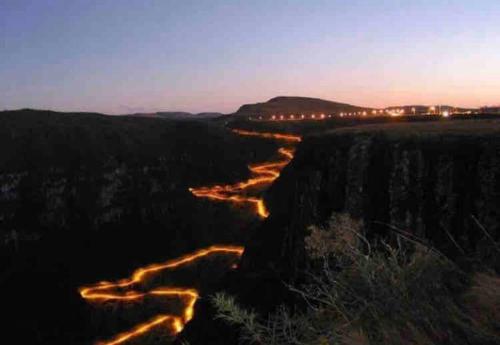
361	292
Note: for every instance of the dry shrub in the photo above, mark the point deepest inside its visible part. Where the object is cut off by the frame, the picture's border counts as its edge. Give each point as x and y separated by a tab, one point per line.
323	242
365	294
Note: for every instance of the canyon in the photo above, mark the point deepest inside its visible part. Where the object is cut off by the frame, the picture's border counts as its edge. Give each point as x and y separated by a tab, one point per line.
88	198
436	182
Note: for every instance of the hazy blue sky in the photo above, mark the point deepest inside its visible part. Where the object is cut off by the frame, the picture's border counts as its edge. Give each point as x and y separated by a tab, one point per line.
125	56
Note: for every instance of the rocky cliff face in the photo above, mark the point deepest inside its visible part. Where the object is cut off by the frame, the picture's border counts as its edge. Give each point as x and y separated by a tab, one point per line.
73	172
86	197
426	179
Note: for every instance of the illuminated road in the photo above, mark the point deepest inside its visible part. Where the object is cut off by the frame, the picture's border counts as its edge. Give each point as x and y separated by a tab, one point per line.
131	289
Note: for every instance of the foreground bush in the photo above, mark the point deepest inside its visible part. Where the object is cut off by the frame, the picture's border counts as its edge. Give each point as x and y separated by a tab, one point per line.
365	293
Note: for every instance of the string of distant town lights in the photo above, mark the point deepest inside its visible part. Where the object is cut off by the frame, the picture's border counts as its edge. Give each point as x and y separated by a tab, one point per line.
433	110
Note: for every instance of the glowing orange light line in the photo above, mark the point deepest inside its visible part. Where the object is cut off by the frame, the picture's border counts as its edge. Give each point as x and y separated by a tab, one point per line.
100	291
286	152
265	173
138	330
92	293
279	136
103	291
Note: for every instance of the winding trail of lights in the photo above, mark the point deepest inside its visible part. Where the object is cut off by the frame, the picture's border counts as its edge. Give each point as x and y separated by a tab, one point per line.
279	136
264	174
106	291
144	328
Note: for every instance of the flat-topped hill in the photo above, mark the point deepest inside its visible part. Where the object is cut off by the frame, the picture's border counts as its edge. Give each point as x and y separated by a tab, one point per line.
296	105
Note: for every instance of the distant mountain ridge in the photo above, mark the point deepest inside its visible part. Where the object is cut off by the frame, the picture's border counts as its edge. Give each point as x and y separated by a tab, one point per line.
288	105
180	115
297	105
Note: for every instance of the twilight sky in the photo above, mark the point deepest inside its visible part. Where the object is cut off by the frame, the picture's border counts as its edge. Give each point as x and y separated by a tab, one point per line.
122	56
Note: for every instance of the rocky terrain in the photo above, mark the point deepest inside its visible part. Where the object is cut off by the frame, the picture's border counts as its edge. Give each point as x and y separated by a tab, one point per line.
87	197
437	181
429	179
